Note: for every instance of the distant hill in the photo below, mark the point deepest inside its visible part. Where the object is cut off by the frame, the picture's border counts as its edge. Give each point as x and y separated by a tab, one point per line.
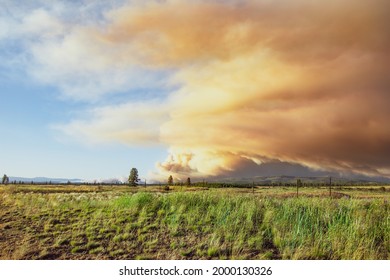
364	180
44	180
285	172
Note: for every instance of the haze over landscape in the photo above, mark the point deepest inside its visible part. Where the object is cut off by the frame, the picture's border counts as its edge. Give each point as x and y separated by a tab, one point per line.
206	89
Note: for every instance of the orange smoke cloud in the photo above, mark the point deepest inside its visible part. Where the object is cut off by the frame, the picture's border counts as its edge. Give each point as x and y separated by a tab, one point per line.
295	81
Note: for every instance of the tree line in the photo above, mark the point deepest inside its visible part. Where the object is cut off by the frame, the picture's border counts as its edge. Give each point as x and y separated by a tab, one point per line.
134	179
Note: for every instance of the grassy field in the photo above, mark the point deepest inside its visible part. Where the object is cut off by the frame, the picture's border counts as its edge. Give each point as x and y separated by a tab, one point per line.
95	222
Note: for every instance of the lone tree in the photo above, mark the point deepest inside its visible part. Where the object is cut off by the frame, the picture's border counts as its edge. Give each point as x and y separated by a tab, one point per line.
170	180
133	177
5	180
188	181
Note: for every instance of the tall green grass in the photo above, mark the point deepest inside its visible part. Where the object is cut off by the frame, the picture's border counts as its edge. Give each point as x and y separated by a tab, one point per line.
330	229
208	225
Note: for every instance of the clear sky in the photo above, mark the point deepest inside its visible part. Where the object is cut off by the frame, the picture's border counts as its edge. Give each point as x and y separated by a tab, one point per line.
90	89
31	145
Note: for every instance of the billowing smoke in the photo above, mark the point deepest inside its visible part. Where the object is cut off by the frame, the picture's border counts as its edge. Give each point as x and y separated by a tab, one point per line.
249	82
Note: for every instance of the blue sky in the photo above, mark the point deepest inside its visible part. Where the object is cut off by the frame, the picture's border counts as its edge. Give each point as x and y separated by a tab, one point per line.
31	145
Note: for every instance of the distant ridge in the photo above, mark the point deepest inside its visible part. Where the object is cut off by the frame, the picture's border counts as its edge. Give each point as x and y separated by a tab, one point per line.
44	180
306	179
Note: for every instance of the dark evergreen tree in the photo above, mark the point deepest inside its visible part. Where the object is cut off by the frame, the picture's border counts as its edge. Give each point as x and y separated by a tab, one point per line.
5	180
133	177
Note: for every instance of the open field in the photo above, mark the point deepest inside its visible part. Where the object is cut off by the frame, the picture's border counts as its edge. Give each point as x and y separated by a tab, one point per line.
119	222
